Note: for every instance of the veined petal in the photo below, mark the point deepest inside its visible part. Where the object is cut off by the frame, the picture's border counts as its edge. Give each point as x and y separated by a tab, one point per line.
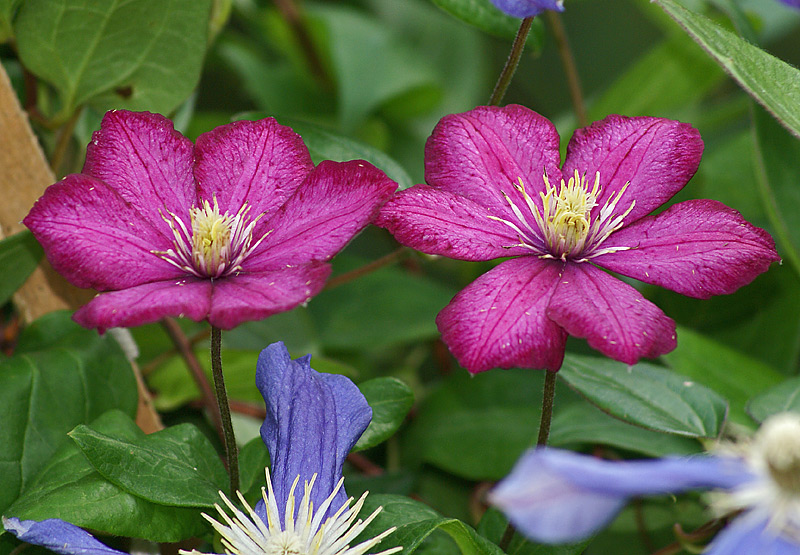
260	163
482	154
96	239
613	316
528	8
748	535
59	536
143	158
313	420
188	297
243	297
499	321
440	222
336	201
656	156
559	496
698	248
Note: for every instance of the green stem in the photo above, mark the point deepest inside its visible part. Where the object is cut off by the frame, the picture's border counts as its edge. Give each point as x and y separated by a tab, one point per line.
568	61
511	63
548	395
224	409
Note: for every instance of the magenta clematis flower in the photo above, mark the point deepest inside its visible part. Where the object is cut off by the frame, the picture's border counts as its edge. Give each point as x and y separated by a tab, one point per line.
496	189
237	227
528	8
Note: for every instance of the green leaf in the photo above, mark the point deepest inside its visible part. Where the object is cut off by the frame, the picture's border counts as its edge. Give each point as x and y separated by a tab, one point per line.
136	54
19	256
493	525
7	11
175	466
784	397
60	376
771	81
777	155
390	400
646	395
733	375
253	459
486	17
69	487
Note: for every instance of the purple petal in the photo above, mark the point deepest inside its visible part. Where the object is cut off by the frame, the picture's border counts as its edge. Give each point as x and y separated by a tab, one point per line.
498	321
613	316
184	297
791	3
557	496
313	420
59	536
528	8
245	297
483	153
95	238
143	158
748	534
440	222
260	163
698	248
337	200
656	156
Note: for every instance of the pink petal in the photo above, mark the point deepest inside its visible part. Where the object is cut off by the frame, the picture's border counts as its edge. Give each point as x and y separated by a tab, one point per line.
656	156
260	162
186	297
483	153
698	248
613	316
143	158
498	321
440	222
246	297
337	200
94	238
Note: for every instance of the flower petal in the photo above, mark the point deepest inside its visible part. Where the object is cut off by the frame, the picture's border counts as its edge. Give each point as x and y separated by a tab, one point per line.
558	496
499	319
440	222
748	534
613	316
528	8
313	420
698	248
59	536
143	158
244	297
94	238
260	163
184	297
656	156
337	200
483	153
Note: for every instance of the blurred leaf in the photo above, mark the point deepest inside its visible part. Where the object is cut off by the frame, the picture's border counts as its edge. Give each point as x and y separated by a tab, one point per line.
784	397
138	55
733	375
486	17
175	466
771	81
61	375
7	10
646	395
390	400
777	155
294	328
253	459
19	256
70	488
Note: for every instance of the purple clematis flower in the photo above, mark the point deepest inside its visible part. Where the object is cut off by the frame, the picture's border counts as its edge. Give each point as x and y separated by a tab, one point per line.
313	420
528	8
237	227
496	189
556	496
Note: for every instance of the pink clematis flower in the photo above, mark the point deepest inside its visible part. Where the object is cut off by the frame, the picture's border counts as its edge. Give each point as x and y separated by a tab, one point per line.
496	189
237	227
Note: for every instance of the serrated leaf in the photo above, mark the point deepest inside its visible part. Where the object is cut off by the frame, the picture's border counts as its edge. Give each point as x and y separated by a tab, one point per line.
19	256
784	397
646	395
390	400
771	81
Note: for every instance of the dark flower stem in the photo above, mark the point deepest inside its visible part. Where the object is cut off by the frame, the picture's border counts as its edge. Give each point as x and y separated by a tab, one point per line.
224	409
291	13
511	63
62	143
568	61
367	268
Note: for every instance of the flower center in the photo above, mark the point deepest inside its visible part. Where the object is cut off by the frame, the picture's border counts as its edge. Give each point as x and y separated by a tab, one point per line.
217	244
284	543
779	438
